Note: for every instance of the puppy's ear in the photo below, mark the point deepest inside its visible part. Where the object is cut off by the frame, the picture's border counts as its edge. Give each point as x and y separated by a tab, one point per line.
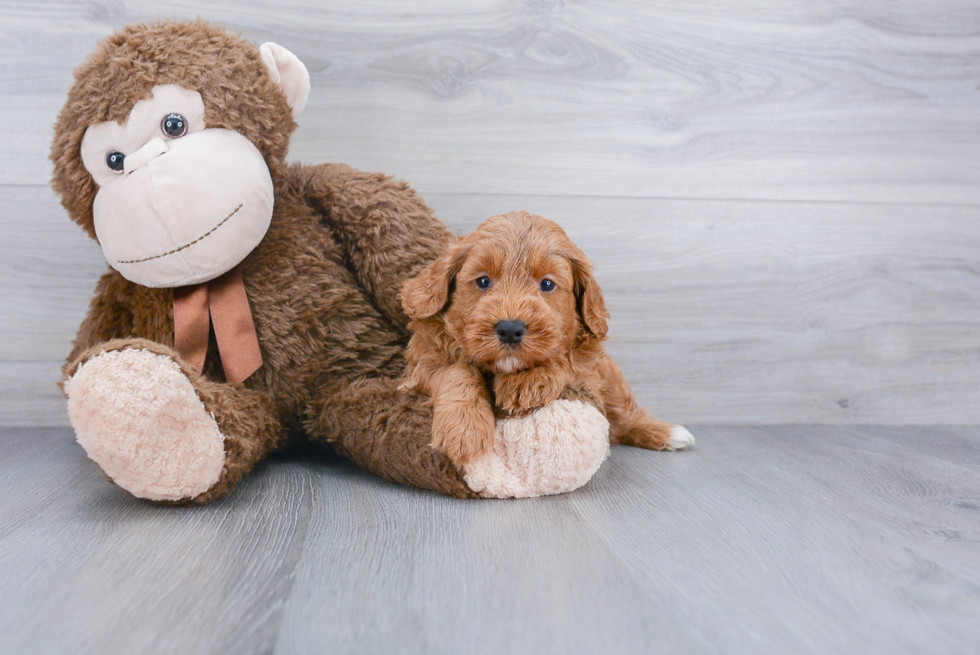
428	293
591	306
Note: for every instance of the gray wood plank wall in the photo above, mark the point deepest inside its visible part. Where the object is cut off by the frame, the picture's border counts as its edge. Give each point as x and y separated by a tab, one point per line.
783	201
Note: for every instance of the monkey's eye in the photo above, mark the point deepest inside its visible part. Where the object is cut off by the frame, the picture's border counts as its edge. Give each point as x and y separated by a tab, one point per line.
483	282
114	160
174	126
547	285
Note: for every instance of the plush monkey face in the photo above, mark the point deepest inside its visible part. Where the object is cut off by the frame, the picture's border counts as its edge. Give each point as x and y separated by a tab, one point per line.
178	203
181	192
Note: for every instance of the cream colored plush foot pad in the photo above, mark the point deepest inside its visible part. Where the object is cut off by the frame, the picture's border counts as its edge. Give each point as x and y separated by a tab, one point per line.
555	449
138	417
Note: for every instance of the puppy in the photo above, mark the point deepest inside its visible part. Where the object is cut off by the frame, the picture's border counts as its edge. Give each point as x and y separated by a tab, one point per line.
508	321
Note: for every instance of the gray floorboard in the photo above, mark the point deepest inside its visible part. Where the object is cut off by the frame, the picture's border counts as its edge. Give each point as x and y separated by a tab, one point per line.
764	539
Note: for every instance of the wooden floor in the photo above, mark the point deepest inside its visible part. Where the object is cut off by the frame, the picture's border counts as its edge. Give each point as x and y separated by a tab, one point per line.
763	540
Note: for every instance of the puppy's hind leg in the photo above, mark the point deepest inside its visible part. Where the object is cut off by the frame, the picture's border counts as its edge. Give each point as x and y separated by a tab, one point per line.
630	424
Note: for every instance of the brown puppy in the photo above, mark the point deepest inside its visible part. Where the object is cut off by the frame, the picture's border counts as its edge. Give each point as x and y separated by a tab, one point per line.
511	318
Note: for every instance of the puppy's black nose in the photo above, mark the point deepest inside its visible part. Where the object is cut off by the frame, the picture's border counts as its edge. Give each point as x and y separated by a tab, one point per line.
510	331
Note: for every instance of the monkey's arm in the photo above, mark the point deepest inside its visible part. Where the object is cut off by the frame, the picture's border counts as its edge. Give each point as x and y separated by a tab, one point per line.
387	231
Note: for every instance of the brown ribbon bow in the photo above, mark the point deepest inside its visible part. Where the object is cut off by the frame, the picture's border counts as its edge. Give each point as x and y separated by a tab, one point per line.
222	301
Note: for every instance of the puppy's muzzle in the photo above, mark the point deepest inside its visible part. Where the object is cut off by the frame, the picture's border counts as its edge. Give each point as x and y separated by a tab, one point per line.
510	332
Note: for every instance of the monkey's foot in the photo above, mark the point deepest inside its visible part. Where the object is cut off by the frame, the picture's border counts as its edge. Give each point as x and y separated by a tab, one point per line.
139	418
555	449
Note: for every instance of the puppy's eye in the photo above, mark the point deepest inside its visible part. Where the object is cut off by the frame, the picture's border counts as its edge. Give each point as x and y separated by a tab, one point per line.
483	282
114	160
547	285
174	126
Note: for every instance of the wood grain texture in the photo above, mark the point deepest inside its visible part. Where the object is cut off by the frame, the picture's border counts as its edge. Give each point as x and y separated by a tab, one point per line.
697	151
789	540
139	582
783	204
835	100
780	312
730	312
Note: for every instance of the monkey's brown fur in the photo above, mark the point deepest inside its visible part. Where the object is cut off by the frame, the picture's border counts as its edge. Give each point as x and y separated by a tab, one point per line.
456	357
322	284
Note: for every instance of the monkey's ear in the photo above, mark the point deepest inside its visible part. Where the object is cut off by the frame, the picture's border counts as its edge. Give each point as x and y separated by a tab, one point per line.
288	72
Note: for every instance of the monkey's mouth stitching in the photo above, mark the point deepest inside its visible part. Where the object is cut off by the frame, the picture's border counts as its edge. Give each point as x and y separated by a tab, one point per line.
186	245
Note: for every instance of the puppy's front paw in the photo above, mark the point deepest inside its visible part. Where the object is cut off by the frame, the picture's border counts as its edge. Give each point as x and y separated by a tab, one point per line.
463	432
521	392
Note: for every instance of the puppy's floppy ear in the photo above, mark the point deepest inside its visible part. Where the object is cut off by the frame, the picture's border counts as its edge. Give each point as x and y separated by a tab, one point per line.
428	293
591	306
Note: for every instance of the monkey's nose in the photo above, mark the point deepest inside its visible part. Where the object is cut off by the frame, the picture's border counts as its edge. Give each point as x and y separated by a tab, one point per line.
144	155
510	332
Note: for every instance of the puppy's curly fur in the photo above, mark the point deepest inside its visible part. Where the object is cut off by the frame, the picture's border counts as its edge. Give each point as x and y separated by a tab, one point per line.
523	269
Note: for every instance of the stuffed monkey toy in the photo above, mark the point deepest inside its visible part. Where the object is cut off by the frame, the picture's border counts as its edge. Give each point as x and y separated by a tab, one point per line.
248	303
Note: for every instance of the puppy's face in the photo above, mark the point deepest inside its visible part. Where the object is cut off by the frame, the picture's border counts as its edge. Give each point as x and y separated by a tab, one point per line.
514	293
514	303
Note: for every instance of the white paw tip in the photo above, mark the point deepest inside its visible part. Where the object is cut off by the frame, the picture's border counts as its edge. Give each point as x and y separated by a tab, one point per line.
680	438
